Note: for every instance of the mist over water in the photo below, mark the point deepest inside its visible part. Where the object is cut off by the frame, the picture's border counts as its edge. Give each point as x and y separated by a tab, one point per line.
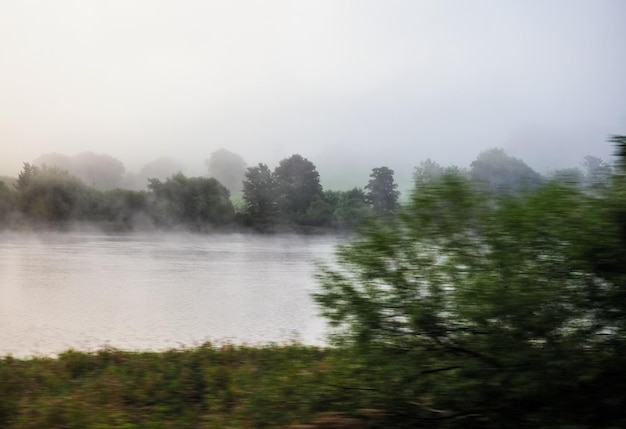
156	291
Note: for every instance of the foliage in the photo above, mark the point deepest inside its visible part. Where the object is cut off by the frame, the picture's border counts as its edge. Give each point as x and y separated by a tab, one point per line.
297	185
52	195
7	202
289	198
160	168
227	167
468	310
382	191
98	171
26	176
501	173
204	387
569	176
259	193
193	201
429	170
123	209
350	208
597	172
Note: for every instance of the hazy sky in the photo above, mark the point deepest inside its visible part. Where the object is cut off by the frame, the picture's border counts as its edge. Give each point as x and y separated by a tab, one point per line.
361	83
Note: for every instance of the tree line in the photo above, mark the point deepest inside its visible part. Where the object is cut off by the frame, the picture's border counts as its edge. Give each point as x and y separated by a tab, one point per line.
291	196
288	197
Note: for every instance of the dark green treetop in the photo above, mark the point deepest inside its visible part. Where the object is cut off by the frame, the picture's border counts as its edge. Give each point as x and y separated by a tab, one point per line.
297	185
382	191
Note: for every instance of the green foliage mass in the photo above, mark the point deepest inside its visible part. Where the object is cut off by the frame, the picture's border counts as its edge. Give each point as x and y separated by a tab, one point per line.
53	195
382	191
260	195
298	186
472	309
205	387
193	201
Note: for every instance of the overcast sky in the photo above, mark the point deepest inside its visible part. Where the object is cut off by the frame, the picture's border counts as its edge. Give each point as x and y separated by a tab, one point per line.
355	83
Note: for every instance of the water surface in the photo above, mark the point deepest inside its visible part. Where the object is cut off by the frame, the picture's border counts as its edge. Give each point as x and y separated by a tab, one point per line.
156	291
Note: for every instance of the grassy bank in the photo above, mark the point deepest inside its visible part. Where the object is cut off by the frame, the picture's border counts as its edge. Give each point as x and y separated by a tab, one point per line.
205	387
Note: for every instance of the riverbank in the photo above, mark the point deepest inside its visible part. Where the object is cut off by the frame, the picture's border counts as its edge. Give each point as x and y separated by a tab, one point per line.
204	387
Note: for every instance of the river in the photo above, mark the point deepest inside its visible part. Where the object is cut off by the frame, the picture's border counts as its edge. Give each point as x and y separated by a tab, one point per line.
157	291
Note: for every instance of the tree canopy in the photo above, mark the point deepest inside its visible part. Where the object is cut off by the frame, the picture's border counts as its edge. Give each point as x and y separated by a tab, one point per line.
259	193
98	171
502	173
468	309
297	185
382	191
194	201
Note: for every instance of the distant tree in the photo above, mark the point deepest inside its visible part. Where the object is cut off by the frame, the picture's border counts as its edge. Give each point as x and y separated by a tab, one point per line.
298	185
26	176
7	201
351	208
58	160
99	171
195	201
160	169
597	172
125	209
427	170
382	191
501	173
52	195
259	194
227	167
568	176
320	212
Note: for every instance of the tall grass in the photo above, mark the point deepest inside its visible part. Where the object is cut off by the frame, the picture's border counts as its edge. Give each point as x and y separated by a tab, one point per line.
204	387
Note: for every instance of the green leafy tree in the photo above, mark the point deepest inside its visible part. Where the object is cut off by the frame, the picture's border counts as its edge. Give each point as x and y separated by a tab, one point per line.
194	201
466	310
52	195
428	170
26	176
297	185
259	194
382	191
351	208
125	209
320	212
